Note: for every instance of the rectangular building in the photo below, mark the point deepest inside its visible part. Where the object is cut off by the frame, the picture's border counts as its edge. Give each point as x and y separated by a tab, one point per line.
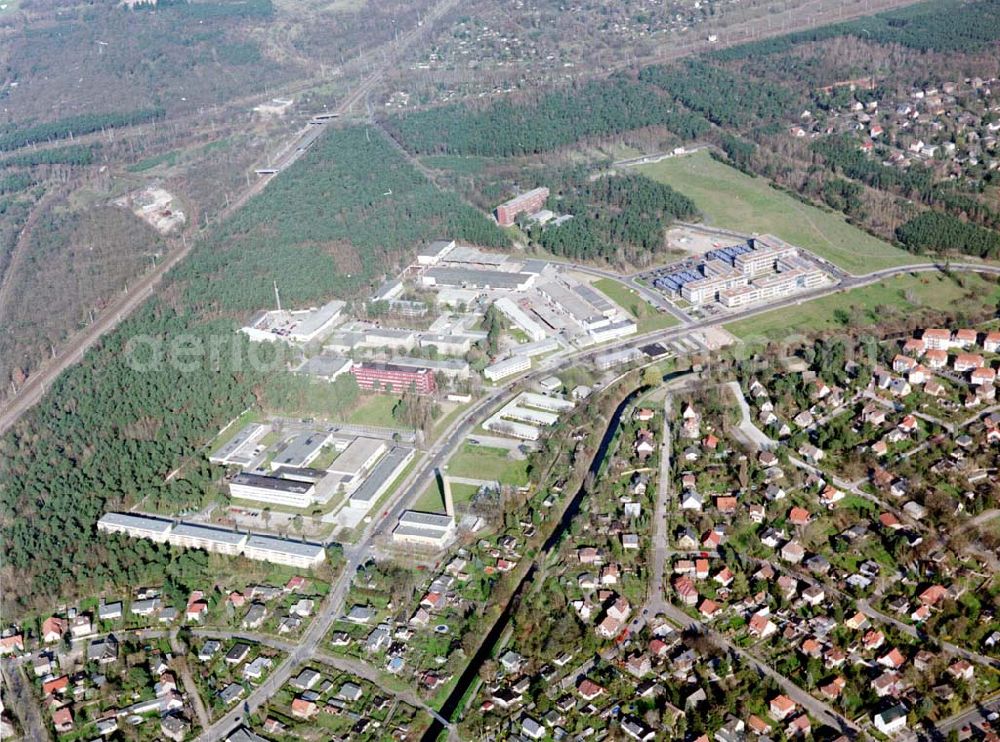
239	450
424	529
475	278
381	478
217	540
390	377
521	431
272	490
284	551
357	458
544	401
614	331
507	367
136	526
519	317
606	361
527	203
301	450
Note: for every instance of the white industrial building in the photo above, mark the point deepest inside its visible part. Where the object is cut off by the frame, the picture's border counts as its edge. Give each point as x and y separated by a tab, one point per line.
242	447
541	347
519	317
300	326
613	331
301	450
416	528
359	456
507	367
272	490
217	540
386	471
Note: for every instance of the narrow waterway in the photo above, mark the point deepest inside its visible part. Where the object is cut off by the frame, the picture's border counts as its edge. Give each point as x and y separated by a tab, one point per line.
471	672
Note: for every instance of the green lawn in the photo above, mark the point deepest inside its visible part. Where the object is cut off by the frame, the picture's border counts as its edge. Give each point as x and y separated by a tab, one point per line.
733	200
895	297
482	462
646	316
432	500
457	163
374	409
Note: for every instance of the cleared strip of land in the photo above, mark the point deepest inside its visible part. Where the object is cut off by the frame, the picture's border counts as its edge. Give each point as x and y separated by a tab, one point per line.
884	302
730	199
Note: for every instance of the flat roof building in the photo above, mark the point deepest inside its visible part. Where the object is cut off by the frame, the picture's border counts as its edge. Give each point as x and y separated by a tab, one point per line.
512	428
520	318
424	529
326	367
284	551
240	449
526	203
358	457
272	490
217	540
390	377
433	253
301	450
137	526
477	278
507	367
381	477
617	358
300	326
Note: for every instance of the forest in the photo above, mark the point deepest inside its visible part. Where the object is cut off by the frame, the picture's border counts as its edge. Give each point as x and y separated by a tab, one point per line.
935	232
616	216
556	119
943	25
75	126
107	434
725	98
343	217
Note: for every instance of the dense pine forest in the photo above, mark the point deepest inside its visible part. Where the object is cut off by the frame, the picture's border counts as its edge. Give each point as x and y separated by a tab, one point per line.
614	217
75	126
556	119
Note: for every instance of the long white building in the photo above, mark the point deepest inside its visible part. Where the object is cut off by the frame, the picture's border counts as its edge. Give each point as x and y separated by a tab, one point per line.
217	540
519	317
507	367
272	490
424	529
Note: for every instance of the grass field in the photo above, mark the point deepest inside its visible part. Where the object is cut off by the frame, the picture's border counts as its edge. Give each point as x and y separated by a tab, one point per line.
893	298
482	462
733	200
645	314
432	500
375	409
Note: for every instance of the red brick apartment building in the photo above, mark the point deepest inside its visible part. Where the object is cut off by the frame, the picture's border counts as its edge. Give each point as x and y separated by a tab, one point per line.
378	376
529	202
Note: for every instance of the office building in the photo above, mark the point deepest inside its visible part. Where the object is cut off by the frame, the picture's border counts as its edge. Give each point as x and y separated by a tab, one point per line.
526	203
272	490
390	377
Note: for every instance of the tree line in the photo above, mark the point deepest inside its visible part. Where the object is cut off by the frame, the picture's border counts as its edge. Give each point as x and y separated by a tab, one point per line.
946	26
70	126
725	98
933	231
507	128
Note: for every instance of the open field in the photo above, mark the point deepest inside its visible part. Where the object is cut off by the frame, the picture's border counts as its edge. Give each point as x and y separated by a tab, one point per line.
374	409
645	315
432	500
733	200
481	462
894	298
